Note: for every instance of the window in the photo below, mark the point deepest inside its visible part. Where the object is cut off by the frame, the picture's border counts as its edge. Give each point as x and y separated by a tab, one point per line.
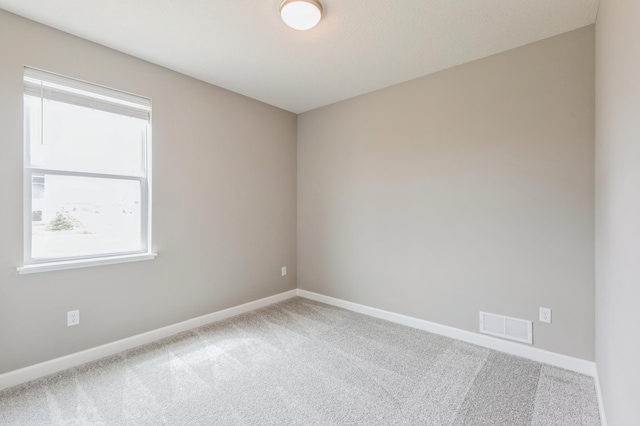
87	174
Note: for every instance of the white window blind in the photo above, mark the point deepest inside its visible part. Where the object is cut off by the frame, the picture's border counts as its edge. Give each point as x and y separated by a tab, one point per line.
63	89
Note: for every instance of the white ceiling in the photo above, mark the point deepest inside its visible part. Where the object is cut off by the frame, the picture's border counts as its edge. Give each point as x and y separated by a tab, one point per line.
358	47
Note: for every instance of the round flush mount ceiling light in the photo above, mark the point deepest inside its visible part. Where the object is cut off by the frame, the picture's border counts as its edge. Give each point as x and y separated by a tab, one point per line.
301	14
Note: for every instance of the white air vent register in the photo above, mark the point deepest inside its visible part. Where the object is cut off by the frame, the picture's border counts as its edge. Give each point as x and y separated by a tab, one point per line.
506	327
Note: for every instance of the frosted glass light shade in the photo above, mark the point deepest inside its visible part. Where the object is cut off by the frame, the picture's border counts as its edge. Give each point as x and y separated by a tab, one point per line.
301	14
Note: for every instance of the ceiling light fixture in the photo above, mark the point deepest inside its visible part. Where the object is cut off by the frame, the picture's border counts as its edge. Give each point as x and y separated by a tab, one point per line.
301	14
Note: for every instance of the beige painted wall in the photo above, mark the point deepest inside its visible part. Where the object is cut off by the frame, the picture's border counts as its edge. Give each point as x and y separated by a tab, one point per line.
469	189
618	208
224	206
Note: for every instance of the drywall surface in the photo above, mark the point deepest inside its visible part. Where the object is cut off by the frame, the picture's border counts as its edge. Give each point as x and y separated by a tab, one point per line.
224	205
618	209
466	190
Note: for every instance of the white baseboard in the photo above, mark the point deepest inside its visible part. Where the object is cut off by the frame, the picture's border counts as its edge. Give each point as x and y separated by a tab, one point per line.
36	371
540	355
603	418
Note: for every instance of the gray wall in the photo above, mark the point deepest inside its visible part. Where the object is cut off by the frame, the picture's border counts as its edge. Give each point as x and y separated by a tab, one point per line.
224	206
618	208
465	190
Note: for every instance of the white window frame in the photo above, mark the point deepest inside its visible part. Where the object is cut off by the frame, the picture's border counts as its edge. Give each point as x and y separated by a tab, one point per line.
56	87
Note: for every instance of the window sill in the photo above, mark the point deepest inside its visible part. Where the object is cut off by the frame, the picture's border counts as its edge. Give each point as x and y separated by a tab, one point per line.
84	263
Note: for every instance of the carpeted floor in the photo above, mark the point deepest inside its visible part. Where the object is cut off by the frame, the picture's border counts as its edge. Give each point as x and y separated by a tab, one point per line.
302	362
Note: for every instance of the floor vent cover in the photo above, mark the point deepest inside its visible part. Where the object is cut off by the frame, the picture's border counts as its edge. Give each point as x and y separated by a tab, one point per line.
506	327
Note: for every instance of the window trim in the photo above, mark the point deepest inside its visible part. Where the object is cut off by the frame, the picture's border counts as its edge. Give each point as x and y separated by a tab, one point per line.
31	265
84	263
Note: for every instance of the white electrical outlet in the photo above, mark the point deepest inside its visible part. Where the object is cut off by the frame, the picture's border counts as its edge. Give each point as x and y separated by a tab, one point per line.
284	271
73	318
545	315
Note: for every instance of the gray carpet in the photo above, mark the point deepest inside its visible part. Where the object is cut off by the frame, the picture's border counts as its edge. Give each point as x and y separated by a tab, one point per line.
302	362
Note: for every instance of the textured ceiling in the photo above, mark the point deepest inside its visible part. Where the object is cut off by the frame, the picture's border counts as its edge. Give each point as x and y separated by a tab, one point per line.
359	46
